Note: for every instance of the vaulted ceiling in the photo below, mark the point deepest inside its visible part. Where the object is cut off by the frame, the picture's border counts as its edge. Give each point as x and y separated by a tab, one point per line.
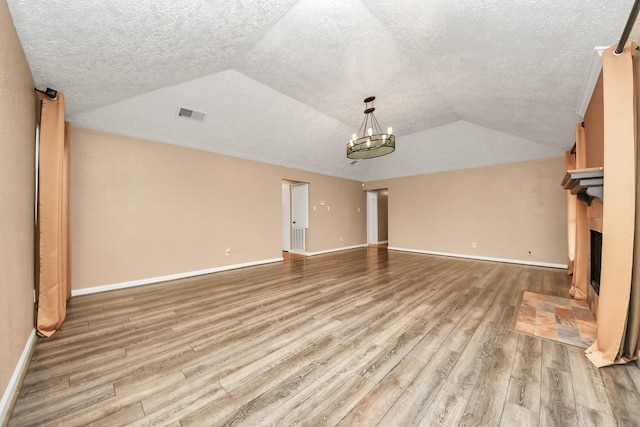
464	83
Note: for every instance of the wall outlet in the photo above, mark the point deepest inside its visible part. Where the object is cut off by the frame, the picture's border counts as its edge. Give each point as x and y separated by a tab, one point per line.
228	251
473	244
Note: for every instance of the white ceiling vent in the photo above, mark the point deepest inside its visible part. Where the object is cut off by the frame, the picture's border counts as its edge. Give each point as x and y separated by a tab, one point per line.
186	113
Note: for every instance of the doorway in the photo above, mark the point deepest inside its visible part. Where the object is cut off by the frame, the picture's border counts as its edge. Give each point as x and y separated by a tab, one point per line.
372	217
377	217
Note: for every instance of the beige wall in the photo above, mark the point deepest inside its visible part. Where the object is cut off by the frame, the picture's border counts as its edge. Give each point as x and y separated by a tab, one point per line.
341	221
508	210
17	129
594	127
142	209
594	147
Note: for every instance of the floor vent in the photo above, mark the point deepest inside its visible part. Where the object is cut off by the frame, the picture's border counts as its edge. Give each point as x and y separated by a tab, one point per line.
186	113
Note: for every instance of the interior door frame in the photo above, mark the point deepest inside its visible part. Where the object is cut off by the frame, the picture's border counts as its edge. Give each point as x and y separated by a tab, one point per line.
286	216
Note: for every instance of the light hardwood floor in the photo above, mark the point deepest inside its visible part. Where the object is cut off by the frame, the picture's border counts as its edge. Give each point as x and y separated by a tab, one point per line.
361	337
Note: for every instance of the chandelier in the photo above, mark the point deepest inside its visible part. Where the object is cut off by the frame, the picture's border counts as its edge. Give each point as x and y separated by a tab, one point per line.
372	142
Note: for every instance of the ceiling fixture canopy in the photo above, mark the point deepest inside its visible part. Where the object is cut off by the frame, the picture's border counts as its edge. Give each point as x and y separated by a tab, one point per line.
372	142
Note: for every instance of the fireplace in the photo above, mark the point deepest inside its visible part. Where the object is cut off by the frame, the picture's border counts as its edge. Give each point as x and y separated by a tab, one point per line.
596	259
593	294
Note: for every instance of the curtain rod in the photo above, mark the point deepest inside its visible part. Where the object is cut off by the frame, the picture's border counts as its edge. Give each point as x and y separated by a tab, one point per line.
627	28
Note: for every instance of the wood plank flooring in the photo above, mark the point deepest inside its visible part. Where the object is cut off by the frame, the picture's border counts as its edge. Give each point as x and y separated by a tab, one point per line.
360	337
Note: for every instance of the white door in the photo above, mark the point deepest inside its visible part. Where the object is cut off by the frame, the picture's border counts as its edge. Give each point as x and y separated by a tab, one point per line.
286	217
299	216
372	217
300	205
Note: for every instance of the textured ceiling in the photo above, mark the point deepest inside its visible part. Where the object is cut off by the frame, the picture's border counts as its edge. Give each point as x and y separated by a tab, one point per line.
464	83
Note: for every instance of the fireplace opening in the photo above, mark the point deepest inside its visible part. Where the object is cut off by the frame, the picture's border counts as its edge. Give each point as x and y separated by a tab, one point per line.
596	259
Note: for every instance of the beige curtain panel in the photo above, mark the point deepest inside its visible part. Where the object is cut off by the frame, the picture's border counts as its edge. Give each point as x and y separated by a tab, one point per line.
53	272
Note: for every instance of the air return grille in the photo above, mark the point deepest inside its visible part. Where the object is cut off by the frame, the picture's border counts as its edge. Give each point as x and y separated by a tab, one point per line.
186	113
297	239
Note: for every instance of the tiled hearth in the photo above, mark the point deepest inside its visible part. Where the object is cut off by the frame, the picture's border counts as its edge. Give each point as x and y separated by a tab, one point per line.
565	320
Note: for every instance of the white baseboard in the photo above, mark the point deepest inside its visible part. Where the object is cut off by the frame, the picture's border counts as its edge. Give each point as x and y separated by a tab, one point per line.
326	251
12	390
382	242
483	258
151	280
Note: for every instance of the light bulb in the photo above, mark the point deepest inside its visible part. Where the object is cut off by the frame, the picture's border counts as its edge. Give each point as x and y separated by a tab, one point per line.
368	142
389	130
351	143
354	137
370	131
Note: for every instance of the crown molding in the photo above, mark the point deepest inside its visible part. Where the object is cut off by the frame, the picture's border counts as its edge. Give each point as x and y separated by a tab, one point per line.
592	79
